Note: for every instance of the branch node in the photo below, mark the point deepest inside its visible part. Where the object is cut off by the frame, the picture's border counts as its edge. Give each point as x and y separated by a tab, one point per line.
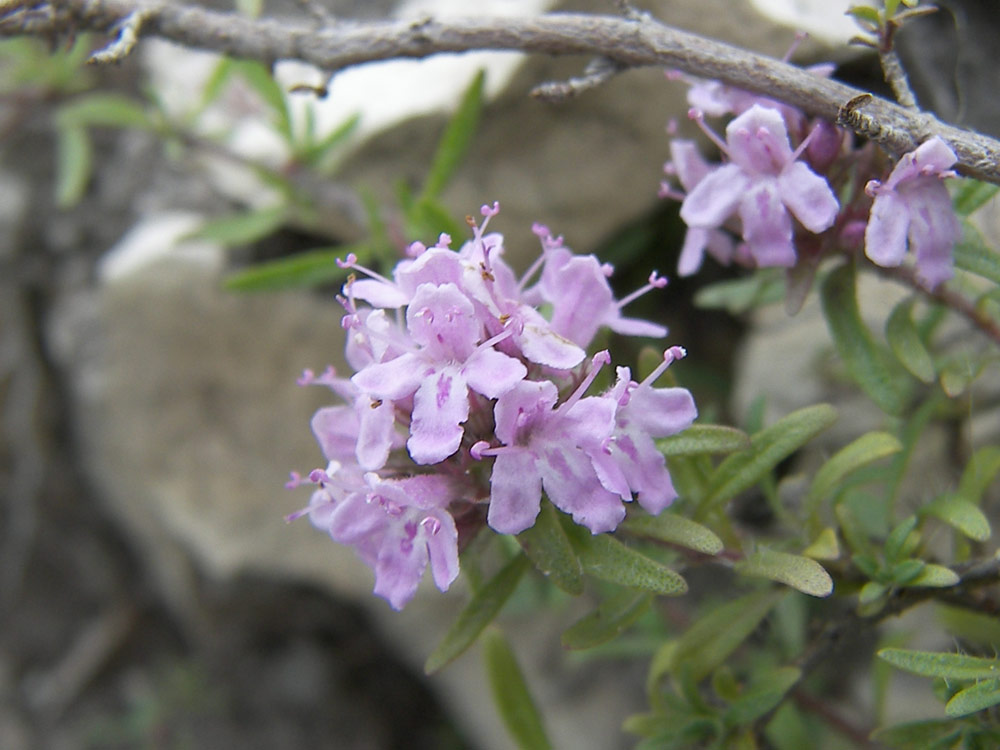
598	71
124	43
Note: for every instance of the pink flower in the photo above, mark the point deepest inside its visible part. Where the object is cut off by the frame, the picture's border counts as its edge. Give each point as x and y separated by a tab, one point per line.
913	209
764	183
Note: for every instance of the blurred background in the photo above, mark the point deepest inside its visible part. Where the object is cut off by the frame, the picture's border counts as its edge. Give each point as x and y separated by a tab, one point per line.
151	595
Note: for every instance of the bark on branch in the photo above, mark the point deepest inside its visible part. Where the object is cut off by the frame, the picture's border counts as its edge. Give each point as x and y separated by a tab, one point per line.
626	42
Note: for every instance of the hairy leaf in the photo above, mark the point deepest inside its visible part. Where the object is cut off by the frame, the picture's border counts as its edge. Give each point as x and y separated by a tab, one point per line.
704	438
861	355
802	573
547	546
612	617
511	695
477	614
940	664
863	451
669	527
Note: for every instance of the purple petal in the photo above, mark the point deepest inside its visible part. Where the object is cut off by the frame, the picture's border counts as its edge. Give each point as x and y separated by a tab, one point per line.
336	431
392	380
767	227
637	327
571	483
610	474
492	373
543	346
377	293
888	224
375	437
689	165
443	320
401	563
714	199
660	412
515	492
934	230
440	406
693	251
442	545
522	407
808	196
758	141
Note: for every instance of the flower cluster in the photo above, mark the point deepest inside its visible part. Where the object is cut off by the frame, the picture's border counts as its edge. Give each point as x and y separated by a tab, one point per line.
766	182
467	403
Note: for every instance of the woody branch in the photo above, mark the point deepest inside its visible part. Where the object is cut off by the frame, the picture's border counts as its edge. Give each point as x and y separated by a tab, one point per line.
635	41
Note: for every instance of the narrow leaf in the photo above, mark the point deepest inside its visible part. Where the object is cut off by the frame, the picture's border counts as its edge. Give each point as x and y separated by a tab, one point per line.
979	627
514	703
310	268
112	110
719	632
971	195
935	576
477	614
604	557
980	472
611	618
762	696
920	735
548	548
259	78
456	139
768	448
861	356
241	229
976	698
674	529
962	514
704	438
905	342
865	450
972	254
75	163
738	296
939	664
802	573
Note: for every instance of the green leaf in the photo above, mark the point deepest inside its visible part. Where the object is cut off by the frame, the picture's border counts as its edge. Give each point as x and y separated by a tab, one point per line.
979	627
905	342
863	451
824	547
456	139
611	618
704	438
976	698
242	229
319	150
935	576
514	703
973	255
718	632
768	448
899	544
674	529
802	573
259	78
906	571
762	696
604	557
962	514
939	664
547	546
428	218
979	473
738	296
970	195
477	614
75	157
104	109
310	268
920	735
862	357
